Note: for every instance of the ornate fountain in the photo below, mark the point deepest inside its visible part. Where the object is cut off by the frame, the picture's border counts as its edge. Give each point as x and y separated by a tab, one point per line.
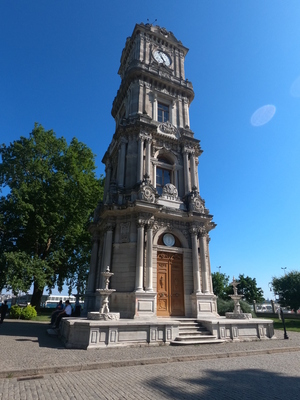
236	314
104	313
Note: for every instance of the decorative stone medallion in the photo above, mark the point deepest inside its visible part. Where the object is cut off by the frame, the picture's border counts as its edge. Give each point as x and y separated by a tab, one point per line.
169	239
170	192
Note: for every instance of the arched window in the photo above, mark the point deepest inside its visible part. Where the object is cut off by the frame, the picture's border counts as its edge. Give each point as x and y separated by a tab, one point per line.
163	173
162	112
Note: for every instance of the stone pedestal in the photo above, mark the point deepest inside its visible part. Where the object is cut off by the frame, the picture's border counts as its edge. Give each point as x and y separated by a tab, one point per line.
233	315
145	304
97	316
203	305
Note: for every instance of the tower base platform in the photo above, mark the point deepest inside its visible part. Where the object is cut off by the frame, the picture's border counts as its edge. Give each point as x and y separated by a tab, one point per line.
82	333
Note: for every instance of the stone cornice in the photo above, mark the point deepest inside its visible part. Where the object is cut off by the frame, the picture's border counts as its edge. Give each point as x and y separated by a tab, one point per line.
141	71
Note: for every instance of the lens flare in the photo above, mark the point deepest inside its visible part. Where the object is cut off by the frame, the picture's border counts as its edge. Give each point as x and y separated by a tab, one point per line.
295	88
263	115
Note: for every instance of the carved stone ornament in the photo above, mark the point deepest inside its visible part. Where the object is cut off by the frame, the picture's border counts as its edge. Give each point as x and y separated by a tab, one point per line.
195	202
125	232
168	129
164	32
170	192
147	192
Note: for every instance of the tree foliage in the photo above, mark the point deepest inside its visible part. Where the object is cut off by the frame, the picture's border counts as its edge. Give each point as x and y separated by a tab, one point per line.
247	287
220	285
44	218
225	306
287	288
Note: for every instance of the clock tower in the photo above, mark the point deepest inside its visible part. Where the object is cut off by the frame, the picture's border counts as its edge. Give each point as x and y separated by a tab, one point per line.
152	227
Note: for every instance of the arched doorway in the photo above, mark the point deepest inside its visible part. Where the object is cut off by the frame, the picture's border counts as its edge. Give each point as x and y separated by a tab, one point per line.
170	294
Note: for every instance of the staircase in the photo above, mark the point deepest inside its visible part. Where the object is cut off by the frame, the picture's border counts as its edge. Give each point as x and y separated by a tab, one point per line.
192	332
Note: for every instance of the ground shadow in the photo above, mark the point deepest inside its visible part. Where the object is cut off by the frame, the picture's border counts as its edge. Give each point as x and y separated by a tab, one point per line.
31	332
237	384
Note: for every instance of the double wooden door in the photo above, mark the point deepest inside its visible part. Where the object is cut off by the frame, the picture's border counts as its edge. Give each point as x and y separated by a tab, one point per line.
170	298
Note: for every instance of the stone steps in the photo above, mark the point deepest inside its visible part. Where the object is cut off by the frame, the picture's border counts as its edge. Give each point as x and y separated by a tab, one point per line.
192	332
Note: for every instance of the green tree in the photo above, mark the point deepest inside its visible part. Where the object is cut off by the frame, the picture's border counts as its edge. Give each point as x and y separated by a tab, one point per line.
248	288
288	289
44	218
220	285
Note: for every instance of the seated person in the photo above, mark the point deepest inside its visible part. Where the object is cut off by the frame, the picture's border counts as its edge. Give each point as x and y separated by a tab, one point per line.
67	312
4	309
57	310
77	308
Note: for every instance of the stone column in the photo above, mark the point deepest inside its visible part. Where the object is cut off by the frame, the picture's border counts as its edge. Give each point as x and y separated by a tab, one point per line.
186	172
208	265
140	172
121	163
146	99
197	175
107	181
154	175
108	248
193	170
177	63
154	109
204	272
181	66
140	97
180	111
175	174
186	112
141	49
196	268
93	265
173	113
149	267
148	156
139	257
99	283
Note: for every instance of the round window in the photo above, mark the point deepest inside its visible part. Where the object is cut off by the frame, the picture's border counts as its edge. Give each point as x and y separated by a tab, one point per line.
169	239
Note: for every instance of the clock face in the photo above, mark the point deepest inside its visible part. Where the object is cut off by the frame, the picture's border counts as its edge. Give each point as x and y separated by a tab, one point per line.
162	58
169	240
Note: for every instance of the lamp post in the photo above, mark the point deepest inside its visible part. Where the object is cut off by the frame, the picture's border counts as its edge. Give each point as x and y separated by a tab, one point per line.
270	286
283	322
284	268
219	268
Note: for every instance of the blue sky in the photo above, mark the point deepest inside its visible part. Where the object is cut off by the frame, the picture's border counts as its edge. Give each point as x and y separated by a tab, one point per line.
59	63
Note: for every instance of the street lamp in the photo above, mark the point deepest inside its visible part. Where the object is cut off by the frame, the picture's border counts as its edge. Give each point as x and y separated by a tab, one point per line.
284	268
270	286
219	268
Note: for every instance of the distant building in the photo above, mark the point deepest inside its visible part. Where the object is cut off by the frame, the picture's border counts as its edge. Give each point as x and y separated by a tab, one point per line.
52	300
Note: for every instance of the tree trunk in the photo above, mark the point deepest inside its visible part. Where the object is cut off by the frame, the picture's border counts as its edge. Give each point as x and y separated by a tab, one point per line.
36	296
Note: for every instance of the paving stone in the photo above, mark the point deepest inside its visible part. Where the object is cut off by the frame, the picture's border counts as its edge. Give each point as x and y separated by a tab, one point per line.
26	345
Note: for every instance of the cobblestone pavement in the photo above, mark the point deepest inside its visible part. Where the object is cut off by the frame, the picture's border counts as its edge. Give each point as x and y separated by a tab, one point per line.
28	353
265	376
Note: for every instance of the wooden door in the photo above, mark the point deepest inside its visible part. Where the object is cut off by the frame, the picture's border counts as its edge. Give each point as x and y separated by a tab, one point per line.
169	285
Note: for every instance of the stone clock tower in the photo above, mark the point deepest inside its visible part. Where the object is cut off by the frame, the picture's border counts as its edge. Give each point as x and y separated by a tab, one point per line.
152	228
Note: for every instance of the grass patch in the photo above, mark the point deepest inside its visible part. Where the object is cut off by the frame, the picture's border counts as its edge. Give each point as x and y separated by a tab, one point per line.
41	318
44	314
290	324
45	311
